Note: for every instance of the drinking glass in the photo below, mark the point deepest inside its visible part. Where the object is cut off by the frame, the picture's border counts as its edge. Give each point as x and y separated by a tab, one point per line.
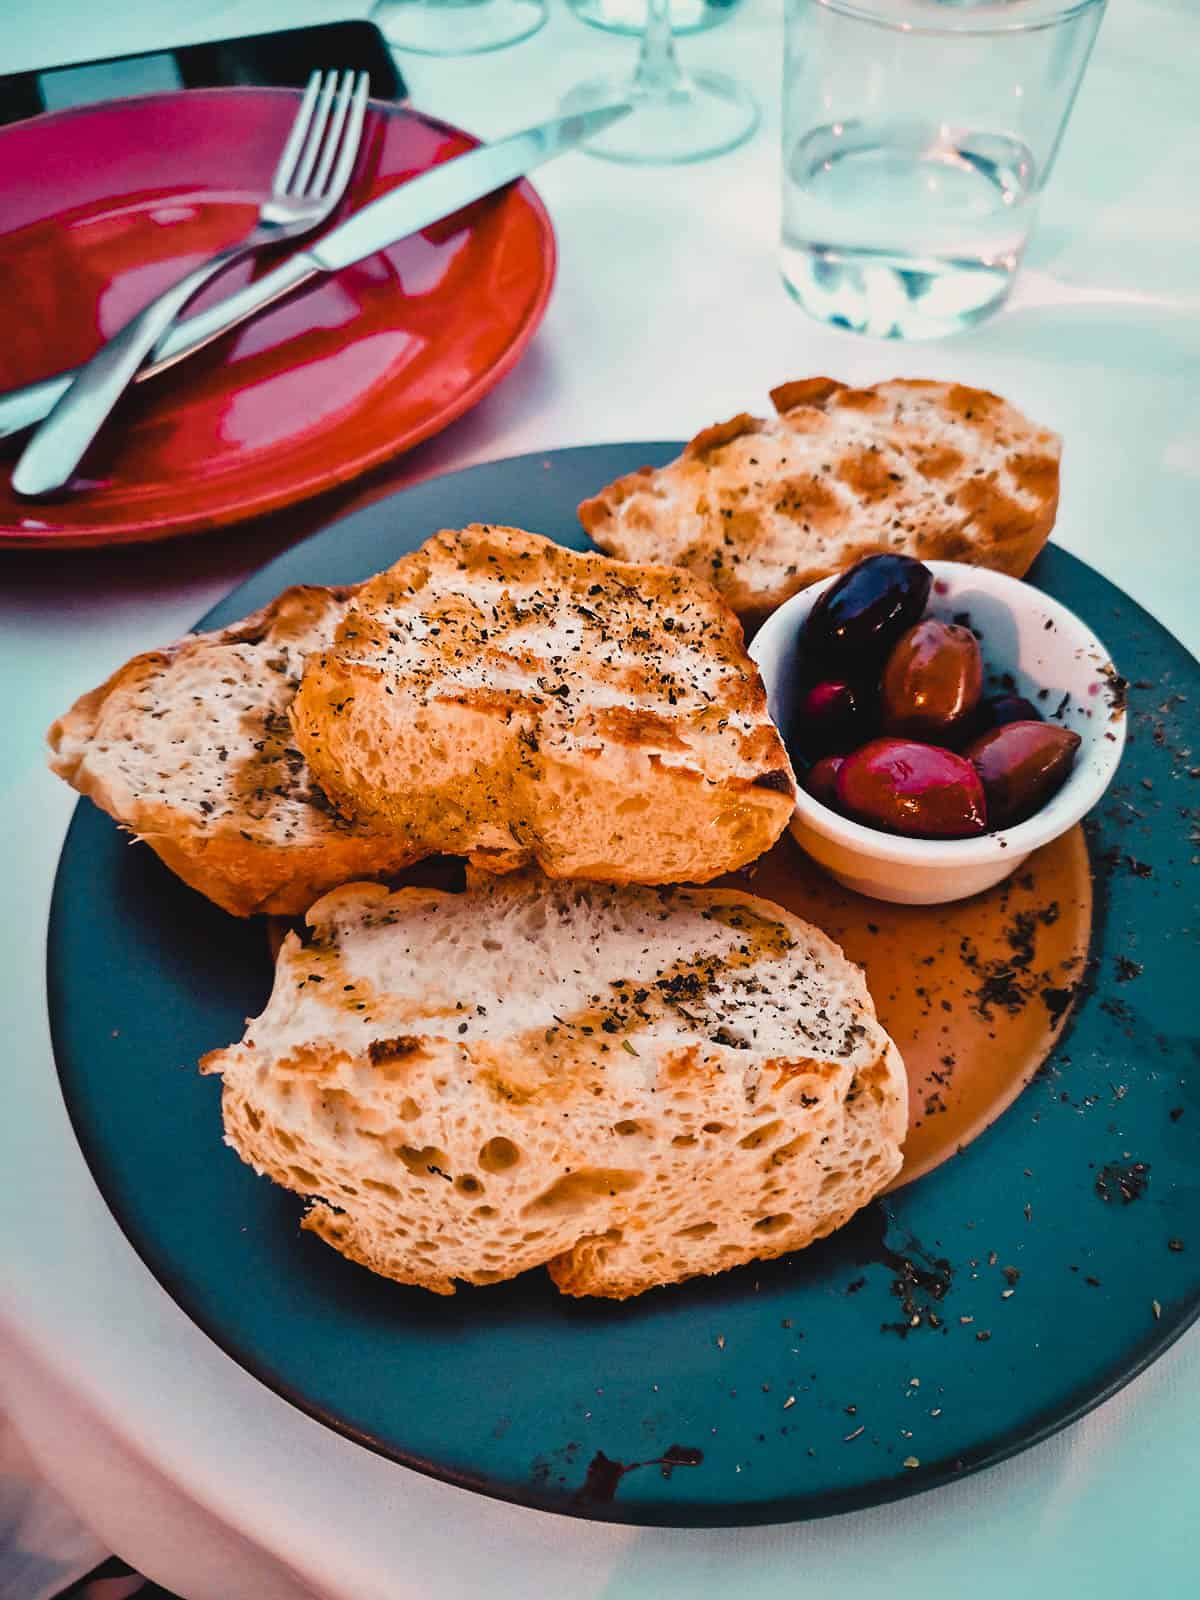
629	16
918	136
456	27
676	116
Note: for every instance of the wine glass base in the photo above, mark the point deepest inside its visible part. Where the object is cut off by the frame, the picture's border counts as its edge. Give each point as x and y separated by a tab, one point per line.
456	28
629	16
705	114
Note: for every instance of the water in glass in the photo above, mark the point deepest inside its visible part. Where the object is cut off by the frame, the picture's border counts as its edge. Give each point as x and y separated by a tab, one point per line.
902	228
918	136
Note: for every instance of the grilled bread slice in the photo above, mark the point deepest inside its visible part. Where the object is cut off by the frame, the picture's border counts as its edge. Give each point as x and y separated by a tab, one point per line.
497	696
191	750
628	1085
764	508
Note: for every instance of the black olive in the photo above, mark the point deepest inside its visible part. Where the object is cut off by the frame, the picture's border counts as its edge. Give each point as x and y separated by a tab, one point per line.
859	618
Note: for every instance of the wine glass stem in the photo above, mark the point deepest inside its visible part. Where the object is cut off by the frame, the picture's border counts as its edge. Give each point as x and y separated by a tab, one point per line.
658	72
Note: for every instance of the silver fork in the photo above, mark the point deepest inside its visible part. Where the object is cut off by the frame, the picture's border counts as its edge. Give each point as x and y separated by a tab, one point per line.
309	181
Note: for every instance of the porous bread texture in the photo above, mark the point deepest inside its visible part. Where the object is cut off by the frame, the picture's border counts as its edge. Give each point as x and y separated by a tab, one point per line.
629	1085
763	508
191	750
497	696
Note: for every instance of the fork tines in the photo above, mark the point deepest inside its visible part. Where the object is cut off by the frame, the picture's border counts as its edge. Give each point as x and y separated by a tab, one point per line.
326	131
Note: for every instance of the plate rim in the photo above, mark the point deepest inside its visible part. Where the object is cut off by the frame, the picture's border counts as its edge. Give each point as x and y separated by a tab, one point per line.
184	524
884	1489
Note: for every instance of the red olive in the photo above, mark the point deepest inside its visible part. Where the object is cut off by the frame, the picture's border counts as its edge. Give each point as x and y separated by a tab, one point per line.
912	788
821	780
828	717
1021	764
932	681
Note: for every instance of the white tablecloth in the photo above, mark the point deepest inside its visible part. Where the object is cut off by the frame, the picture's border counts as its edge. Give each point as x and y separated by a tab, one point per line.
668	313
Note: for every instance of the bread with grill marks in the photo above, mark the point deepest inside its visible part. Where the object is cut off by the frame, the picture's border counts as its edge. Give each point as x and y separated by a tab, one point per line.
190	749
764	507
497	696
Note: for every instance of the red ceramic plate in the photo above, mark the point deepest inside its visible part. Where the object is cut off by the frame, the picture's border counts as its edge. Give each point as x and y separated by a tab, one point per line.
106	205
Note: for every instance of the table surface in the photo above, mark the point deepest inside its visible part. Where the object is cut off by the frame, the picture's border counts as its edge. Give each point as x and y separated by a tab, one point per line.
668	313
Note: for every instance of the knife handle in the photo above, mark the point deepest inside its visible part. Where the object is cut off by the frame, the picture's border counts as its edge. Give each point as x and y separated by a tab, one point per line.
21	408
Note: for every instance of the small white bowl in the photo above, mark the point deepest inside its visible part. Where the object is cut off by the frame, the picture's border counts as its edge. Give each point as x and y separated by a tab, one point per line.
1024	633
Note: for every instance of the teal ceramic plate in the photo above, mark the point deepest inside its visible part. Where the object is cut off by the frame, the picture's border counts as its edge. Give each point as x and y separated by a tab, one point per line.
883	1361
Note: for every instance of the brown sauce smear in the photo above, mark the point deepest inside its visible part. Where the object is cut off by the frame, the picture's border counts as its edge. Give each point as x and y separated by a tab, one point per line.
974	993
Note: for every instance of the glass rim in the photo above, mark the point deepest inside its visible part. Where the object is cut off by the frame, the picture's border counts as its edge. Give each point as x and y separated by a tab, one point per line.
925	17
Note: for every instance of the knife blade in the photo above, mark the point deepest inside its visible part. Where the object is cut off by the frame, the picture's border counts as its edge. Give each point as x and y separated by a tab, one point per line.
429	197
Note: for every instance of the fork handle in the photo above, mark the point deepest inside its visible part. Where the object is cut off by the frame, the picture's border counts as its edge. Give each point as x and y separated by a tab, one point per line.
61	442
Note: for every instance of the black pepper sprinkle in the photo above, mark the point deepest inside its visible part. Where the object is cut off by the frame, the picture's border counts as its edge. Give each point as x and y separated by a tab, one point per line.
1125	1184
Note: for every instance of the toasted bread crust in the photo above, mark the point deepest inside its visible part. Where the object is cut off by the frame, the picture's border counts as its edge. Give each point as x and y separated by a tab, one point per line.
498	696
764	508
188	748
629	1086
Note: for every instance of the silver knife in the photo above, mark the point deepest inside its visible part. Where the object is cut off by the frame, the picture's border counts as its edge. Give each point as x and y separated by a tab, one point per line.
423	200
